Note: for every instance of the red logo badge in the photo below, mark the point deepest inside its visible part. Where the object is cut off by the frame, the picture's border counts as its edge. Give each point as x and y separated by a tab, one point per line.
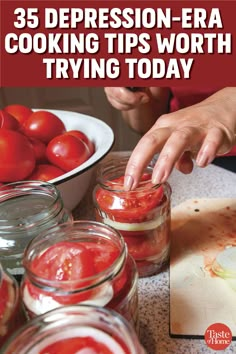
218	336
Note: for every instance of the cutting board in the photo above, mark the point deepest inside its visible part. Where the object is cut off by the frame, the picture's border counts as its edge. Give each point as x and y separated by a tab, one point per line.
201	228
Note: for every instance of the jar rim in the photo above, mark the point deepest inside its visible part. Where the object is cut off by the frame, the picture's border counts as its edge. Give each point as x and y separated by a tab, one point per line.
97	317
18	189
94	280
114	167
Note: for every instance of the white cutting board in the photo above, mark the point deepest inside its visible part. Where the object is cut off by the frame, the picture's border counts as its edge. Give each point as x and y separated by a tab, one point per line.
201	228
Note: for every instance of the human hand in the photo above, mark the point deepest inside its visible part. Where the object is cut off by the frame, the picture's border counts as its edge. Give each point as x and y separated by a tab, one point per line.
202	132
124	99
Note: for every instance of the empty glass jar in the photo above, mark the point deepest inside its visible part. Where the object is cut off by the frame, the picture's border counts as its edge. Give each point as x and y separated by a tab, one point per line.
26	209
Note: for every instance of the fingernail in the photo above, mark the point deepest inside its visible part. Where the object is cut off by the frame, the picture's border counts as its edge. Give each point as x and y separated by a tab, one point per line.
128	182
203	159
157	177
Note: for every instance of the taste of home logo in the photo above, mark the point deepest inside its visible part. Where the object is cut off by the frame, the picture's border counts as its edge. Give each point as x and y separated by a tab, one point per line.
218	336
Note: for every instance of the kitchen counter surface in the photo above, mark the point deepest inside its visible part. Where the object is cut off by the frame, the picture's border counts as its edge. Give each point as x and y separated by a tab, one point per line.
211	182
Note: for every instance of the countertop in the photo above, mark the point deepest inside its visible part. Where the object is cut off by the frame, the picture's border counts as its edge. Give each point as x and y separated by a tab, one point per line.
210	182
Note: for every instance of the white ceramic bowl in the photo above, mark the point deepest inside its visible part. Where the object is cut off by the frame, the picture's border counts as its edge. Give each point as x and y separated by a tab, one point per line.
74	184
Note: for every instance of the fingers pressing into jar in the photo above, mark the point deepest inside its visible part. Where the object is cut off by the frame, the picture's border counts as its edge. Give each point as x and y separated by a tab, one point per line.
174	148
200	132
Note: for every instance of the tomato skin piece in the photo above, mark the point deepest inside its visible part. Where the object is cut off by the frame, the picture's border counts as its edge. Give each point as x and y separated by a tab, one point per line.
67	152
64	261
79	134
104	255
43	125
7	121
45	172
19	111
17	158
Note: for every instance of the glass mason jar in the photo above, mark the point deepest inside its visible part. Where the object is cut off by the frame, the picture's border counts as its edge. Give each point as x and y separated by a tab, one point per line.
142	215
11	314
75	329
79	262
26	208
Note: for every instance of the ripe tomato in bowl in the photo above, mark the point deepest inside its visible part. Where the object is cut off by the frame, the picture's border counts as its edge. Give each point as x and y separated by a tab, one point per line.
17	158
60	147
74	184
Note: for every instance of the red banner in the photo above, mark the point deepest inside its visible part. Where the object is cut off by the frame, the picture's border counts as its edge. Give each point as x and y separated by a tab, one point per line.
118	43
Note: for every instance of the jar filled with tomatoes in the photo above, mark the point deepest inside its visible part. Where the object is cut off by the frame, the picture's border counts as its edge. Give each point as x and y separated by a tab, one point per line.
76	329
73	263
11	314
142	215
26	209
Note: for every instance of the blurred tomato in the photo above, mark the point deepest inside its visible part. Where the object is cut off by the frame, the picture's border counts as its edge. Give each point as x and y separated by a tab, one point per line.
20	112
78	345
7	121
67	152
43	125
83	136
45	172
39	149
17	158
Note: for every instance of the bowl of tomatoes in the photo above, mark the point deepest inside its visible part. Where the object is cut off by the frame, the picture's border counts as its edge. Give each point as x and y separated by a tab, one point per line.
56	146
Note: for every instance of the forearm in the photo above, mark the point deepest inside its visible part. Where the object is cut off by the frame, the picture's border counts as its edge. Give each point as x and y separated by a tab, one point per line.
142	118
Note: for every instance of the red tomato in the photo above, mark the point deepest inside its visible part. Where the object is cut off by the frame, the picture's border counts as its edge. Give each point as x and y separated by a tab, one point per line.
104	254
20	112
82	136
39	150
7	121
128	207
45	172
67	152
64	261
76	345
72	261
43	125
17	158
